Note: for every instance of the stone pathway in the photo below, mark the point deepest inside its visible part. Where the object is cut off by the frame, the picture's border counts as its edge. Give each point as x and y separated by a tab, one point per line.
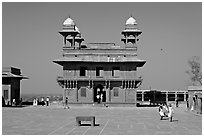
54	120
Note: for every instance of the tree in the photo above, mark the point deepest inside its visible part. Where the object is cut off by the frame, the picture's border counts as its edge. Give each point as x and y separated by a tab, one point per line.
195	72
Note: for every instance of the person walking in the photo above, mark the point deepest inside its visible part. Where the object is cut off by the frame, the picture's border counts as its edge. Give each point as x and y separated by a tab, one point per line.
98	98
34	102
42	101
193	105
187	104
170	114
66	103
161	112
14	102
101	97
47	101
165	109
176	102
37	101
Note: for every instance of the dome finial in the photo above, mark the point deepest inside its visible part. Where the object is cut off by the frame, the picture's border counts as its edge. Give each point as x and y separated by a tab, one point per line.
131	21
69	22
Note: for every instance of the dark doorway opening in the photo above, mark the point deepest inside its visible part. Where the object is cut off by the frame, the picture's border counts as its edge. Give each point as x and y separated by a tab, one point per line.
100	92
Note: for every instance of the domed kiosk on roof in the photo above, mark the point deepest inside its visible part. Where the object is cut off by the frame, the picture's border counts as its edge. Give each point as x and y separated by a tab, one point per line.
131	21
68	22
131	33
71	31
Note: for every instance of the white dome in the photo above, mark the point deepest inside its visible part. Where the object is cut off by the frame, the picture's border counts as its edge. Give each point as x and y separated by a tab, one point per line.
131	21
69	22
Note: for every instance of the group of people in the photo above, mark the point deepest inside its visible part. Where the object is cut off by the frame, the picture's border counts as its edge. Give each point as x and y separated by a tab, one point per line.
99	97
166	111
43	103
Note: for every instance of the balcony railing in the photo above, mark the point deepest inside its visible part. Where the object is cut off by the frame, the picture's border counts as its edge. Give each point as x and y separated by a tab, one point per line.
85	78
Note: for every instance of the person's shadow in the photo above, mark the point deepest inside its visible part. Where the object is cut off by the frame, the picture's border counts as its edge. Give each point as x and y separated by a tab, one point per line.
174	120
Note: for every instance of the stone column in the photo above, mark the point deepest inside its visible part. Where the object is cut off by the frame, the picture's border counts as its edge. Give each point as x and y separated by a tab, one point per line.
65	41
184	96
64	93
135	98
124	95
91	90
79	45
166	96
125	39
77	98
67	84
71	83
142	96
73	41
134	84
109	91
107	94
176	97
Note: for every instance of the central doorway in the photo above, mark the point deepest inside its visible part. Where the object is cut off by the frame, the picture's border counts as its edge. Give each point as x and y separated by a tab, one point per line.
100	92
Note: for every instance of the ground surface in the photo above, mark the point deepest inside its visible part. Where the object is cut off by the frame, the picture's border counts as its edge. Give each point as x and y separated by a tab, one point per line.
55	120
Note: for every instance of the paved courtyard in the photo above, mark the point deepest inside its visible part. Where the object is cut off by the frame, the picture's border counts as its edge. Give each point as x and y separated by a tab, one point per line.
54	120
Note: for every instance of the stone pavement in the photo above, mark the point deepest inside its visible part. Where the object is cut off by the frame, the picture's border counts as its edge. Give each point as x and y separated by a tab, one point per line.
55	120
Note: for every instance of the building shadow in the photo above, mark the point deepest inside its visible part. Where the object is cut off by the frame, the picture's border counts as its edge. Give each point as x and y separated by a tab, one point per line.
22	106
141	105
167	119
85	125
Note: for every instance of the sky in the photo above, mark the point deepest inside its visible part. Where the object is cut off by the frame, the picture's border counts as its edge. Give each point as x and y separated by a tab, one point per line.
172	34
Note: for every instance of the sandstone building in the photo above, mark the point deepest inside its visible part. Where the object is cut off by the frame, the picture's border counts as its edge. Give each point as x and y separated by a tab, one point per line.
104	69
11	78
